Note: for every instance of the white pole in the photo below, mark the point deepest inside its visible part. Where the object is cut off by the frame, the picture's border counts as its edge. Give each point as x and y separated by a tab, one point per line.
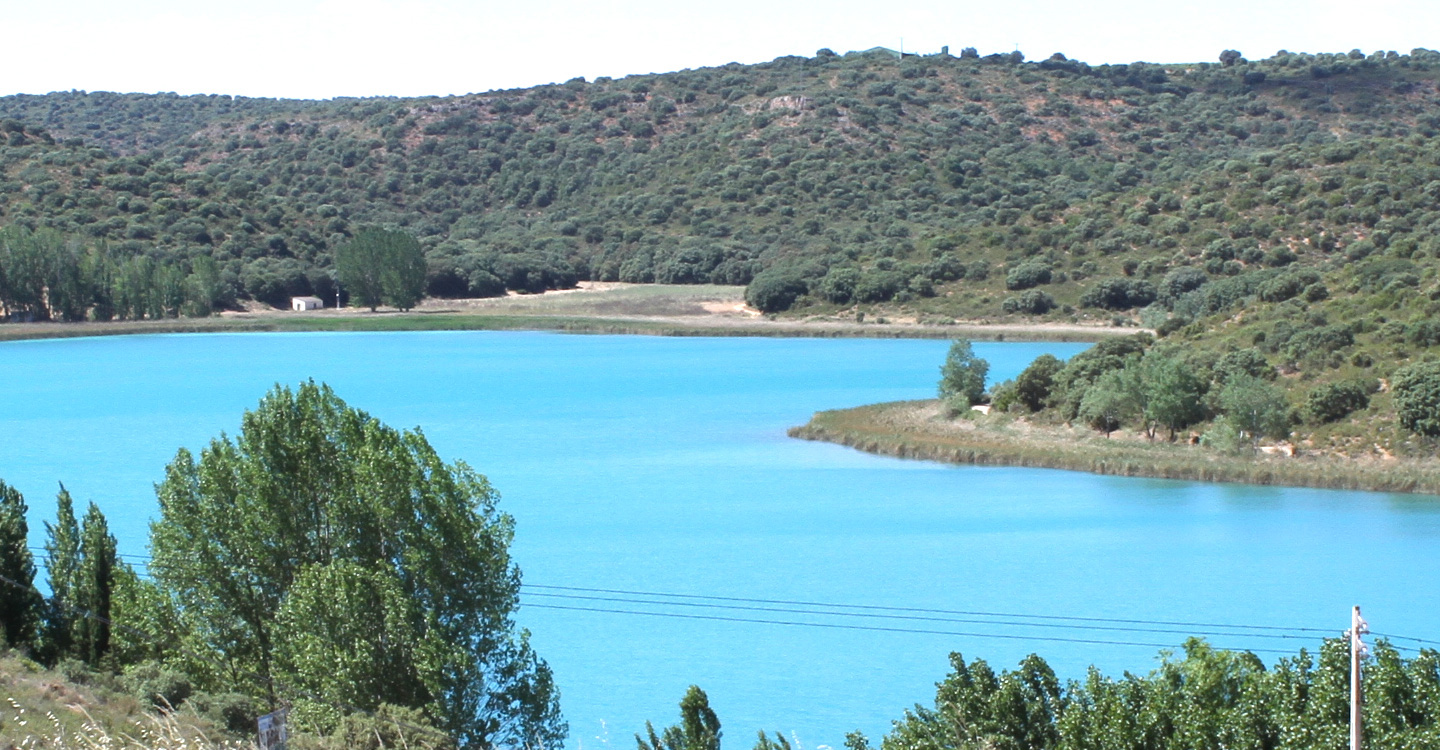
1358	627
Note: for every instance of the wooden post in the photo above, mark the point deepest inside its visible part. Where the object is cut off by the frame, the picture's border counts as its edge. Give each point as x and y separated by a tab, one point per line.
1358	627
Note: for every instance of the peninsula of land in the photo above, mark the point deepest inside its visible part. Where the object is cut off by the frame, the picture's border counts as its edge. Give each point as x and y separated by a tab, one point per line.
922	430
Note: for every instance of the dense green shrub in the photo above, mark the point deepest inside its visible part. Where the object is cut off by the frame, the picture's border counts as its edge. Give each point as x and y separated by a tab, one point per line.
1335	401
775	290
1250	362
1417	397
1027	275
1031	302
1119	294
1034	384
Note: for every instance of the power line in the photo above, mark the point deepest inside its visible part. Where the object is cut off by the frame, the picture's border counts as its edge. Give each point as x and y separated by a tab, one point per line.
973	613
922	614
923	618
878	628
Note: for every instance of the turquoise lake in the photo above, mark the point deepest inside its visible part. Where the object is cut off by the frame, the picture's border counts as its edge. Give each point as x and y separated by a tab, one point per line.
661	465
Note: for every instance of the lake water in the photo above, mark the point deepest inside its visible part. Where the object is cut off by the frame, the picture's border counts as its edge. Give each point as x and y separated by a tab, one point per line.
661	465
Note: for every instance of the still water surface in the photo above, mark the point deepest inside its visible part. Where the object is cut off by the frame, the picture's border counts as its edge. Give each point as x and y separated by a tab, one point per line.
661	465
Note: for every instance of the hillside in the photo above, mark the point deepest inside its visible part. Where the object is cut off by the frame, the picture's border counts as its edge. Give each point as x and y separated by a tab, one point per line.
1231	204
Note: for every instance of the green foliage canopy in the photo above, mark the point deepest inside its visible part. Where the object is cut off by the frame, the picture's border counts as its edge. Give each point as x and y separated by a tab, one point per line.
962	376
313	494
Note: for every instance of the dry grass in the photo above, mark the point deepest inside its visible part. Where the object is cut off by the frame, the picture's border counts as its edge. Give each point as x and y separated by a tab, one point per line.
919	429
44	711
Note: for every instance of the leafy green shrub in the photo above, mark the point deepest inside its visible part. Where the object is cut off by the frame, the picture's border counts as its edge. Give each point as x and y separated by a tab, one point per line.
1244	362
1316	341
1032	302
1034	383
157	684
1182	280
1417	397
839	285
1287	285
878	285
1119	294
1334	401
775	290
1027	275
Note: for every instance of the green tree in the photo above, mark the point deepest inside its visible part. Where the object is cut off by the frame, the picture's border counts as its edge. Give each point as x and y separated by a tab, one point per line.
1335	401
62	568
1033	385
381	265
1117	397
350	639
82	564
1256	407
93	587
404	278
699	728
1173	394
19	601
311	483
1417	397
962	377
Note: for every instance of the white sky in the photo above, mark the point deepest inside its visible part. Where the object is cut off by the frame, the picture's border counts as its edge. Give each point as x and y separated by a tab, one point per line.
327	48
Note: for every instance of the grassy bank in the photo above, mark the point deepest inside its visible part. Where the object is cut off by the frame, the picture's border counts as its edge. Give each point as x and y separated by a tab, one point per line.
918	429
52	709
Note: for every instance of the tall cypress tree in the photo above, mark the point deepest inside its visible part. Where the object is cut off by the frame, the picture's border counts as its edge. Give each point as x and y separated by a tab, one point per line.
19	601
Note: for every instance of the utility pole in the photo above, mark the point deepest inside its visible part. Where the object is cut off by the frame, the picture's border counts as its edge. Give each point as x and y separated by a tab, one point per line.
1358	649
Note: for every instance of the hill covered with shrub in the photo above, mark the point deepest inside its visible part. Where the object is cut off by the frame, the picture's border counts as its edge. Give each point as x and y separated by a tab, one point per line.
1287	204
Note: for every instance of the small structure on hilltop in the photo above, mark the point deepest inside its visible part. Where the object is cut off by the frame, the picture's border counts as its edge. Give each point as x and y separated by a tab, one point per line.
301	304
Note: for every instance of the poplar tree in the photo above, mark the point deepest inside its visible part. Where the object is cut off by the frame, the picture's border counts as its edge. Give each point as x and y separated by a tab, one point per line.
19	601
382	266
93	587
62	568
321	528
82	564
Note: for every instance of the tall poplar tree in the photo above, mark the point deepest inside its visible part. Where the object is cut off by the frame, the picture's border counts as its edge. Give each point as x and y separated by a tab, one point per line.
382	266
81	560
19	601
384	571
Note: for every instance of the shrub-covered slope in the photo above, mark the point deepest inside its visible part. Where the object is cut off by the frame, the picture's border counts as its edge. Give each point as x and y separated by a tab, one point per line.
1288	204
855	178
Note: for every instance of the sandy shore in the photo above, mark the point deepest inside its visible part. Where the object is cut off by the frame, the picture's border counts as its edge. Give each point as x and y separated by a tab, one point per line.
602	307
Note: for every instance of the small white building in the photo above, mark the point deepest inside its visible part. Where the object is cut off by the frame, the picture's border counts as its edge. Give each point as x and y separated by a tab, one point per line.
301	304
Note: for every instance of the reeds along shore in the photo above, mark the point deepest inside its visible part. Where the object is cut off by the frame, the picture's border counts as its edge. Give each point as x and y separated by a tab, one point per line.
915	429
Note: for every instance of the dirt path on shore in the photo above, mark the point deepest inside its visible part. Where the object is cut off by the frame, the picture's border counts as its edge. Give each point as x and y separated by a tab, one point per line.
601	306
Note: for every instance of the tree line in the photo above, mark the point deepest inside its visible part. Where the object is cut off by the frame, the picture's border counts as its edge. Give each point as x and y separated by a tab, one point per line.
319	560
1202	698
46	275
1163	389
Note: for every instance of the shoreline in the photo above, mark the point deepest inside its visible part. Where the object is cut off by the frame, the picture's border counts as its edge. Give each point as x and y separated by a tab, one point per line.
916	430
656	310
